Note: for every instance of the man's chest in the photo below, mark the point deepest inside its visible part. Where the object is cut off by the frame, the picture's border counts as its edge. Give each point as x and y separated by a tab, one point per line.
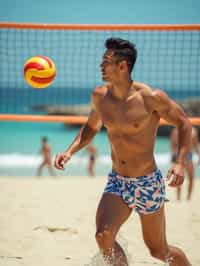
131	114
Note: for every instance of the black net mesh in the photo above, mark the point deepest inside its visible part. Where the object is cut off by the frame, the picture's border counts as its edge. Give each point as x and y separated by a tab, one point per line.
169	60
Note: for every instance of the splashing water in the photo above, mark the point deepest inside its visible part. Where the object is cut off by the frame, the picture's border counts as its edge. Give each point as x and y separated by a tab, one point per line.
98	259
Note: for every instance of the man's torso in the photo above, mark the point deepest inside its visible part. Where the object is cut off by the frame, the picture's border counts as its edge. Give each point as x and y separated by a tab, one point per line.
131	129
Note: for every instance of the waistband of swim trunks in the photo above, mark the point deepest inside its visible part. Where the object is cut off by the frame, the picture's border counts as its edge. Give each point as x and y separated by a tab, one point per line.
113	173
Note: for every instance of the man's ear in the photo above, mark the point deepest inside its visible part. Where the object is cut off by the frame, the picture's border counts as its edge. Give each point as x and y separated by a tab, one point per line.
123	65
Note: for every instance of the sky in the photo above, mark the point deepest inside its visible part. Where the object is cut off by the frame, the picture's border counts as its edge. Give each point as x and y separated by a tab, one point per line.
101	12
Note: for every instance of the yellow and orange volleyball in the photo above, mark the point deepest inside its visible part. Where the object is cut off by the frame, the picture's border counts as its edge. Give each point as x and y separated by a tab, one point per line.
39	71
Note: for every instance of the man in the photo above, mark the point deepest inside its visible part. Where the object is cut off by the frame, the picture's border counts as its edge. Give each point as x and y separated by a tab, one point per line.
46	154
131	111
194	145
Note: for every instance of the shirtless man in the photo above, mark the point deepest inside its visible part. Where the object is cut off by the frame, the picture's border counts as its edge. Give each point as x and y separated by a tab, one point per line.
92	154
47	160
131	111
189	166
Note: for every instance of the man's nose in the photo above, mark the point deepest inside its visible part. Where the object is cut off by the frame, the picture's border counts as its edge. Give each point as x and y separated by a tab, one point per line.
102	65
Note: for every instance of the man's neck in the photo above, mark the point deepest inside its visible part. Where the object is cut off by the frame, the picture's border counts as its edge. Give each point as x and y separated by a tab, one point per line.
121	90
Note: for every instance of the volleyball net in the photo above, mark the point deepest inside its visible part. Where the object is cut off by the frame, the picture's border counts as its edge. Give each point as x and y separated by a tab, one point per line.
168	58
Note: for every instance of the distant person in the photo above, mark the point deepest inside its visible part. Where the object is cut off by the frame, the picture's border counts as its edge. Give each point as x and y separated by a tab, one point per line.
189	164
47	158
92	157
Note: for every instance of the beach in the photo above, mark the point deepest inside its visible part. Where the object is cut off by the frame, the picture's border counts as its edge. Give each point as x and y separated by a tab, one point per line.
51	222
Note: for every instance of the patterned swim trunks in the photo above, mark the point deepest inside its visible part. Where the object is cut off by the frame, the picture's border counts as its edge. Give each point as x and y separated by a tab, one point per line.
145	194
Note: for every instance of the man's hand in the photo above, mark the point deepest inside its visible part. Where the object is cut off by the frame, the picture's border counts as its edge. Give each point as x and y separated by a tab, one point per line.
175	176
61	159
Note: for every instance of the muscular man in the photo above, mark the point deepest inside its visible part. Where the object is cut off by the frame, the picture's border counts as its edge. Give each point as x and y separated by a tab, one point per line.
131	111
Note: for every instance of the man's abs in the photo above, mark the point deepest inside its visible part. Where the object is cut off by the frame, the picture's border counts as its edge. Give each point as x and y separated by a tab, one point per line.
135	165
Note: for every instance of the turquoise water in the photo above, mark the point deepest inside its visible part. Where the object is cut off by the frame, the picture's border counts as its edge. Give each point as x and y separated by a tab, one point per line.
20	145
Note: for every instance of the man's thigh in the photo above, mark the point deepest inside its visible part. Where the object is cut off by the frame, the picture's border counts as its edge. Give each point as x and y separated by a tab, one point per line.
153	228
112	212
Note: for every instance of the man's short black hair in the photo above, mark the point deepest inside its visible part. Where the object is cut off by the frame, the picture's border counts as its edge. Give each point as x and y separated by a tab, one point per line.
123	50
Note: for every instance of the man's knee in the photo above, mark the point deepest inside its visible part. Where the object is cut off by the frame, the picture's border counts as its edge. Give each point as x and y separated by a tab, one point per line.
104	238
158	253
155	253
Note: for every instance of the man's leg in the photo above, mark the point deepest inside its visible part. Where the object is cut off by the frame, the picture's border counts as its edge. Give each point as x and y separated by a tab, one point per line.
112	212
190	172
154	234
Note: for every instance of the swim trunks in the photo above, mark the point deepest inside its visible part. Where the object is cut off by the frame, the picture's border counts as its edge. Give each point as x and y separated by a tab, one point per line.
144	194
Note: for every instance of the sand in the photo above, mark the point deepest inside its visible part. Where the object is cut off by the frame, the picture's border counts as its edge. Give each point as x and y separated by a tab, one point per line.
51	222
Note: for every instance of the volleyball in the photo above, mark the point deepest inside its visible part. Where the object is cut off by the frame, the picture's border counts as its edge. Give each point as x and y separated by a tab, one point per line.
39	71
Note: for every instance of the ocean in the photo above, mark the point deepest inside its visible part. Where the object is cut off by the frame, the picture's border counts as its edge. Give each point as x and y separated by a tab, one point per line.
20	150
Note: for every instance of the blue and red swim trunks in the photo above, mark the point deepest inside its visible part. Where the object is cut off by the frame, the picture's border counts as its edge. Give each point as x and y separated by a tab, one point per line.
144	194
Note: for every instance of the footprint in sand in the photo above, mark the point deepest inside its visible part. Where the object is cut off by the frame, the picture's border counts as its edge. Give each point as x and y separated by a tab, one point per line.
11	257
56	229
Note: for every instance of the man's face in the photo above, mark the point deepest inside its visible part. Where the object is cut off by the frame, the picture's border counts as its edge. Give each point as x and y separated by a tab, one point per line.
109	66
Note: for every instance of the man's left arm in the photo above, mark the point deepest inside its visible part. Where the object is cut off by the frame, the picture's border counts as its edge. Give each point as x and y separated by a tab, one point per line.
174	114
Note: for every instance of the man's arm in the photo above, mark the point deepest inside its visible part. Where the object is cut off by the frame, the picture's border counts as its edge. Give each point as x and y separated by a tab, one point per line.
173	113
85	135
169	110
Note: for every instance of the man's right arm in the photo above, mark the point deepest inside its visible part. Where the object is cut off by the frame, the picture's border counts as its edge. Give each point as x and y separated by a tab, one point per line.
85	135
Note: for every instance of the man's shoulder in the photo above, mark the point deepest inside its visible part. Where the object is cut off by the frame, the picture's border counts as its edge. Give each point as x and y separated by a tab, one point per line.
142	88
152	97
150	93
100	91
